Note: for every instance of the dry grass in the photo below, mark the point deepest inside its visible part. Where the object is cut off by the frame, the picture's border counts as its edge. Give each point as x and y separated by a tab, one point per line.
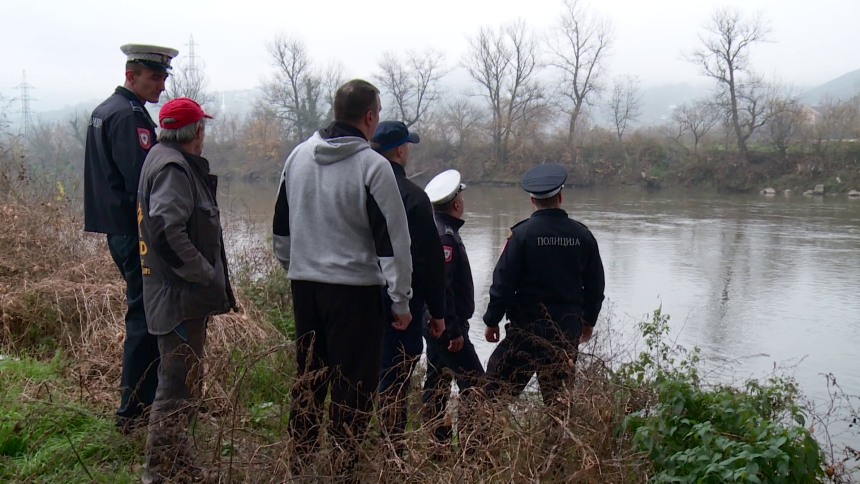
60	286
60	290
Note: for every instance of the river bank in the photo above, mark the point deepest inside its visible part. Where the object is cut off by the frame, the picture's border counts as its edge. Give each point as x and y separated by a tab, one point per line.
646	415
711	171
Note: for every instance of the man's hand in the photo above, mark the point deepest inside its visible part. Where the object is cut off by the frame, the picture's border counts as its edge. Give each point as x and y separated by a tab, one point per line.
492	334
401	321
437	327
586	333
456	344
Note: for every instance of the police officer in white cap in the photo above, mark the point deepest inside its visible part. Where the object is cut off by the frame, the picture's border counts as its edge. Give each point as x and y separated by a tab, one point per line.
452	352
549	282
119	135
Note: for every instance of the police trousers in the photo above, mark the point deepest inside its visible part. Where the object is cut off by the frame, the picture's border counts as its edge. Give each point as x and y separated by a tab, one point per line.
401	351
338	345
544	347
443	366
140	348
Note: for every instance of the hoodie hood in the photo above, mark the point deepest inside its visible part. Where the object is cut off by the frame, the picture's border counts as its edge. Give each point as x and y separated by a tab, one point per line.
328	151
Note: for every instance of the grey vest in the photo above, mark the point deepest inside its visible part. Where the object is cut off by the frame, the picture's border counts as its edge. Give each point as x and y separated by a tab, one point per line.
169	299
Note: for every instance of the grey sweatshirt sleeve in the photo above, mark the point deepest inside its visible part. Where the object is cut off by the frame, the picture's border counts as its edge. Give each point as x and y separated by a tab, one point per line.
171	203
281	225
390	233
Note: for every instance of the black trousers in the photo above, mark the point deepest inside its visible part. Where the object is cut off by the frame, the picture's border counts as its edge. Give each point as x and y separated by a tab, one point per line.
338	345
443	366
140	349
544	347
401	351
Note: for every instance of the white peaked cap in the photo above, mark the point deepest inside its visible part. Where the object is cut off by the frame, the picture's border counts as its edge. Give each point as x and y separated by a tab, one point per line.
444	187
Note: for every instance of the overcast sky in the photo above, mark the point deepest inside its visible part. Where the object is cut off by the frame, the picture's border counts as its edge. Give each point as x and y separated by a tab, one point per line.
70	50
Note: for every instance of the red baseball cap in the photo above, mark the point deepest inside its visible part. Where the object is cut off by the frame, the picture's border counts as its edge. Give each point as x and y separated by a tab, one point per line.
184	110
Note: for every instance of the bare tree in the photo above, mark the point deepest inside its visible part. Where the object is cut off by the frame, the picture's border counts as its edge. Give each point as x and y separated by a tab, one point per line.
78	126
412	82
332	78
224	129
189	80
697	119
4	113
298	94
785	120
461	118
580	46
836	121
488	62
505	64
625	103
724	57
755	98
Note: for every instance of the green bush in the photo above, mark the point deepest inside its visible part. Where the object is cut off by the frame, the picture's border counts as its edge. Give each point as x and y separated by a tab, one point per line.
693	433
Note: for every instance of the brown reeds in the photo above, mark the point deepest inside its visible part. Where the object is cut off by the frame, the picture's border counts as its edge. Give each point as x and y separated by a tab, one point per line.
59	290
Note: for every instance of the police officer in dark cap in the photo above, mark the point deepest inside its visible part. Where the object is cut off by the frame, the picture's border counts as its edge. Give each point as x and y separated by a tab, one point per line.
119	135
549	282
402	349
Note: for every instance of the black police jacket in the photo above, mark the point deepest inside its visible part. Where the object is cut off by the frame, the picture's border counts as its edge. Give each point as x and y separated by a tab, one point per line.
459	288
550	264
428	271
119	135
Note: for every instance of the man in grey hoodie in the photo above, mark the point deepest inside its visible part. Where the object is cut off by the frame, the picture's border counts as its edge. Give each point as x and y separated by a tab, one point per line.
341	233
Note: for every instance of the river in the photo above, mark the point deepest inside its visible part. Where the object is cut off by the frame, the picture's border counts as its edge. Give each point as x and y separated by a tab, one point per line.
753	281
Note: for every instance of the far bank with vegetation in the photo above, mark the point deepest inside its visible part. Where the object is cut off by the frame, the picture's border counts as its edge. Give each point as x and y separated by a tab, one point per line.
534	97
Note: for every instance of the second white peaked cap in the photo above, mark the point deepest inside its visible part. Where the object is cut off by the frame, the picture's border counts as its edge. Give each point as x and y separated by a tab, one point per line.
444	187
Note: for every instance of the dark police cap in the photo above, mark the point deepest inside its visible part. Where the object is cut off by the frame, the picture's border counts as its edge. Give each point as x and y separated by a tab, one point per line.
150	56
544	181
391	134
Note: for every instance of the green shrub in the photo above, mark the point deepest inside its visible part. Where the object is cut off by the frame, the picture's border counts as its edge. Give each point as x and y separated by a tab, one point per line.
693	433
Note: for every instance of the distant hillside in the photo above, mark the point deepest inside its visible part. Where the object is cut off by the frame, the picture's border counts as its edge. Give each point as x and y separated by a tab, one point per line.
842	87
658	102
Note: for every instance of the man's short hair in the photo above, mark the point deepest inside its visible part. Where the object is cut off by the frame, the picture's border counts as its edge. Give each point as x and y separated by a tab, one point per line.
353	99
135	67
183	135
388	154
446	207
547	202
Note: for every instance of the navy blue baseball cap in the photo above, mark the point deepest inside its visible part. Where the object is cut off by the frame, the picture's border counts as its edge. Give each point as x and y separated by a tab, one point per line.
391	134
544	181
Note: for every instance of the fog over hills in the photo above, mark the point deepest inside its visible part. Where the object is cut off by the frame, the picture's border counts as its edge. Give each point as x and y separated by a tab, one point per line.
658	101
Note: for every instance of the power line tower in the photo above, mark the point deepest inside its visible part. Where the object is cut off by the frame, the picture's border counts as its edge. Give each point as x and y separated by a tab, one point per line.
192	58
25	99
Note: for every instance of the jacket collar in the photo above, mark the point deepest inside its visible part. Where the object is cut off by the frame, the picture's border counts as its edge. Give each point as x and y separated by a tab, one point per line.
446	219
197	162
339	129
126	93
550	212
399	171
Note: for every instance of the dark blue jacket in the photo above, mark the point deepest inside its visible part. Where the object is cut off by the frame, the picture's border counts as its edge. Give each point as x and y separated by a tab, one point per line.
119	135
460	289
550	267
